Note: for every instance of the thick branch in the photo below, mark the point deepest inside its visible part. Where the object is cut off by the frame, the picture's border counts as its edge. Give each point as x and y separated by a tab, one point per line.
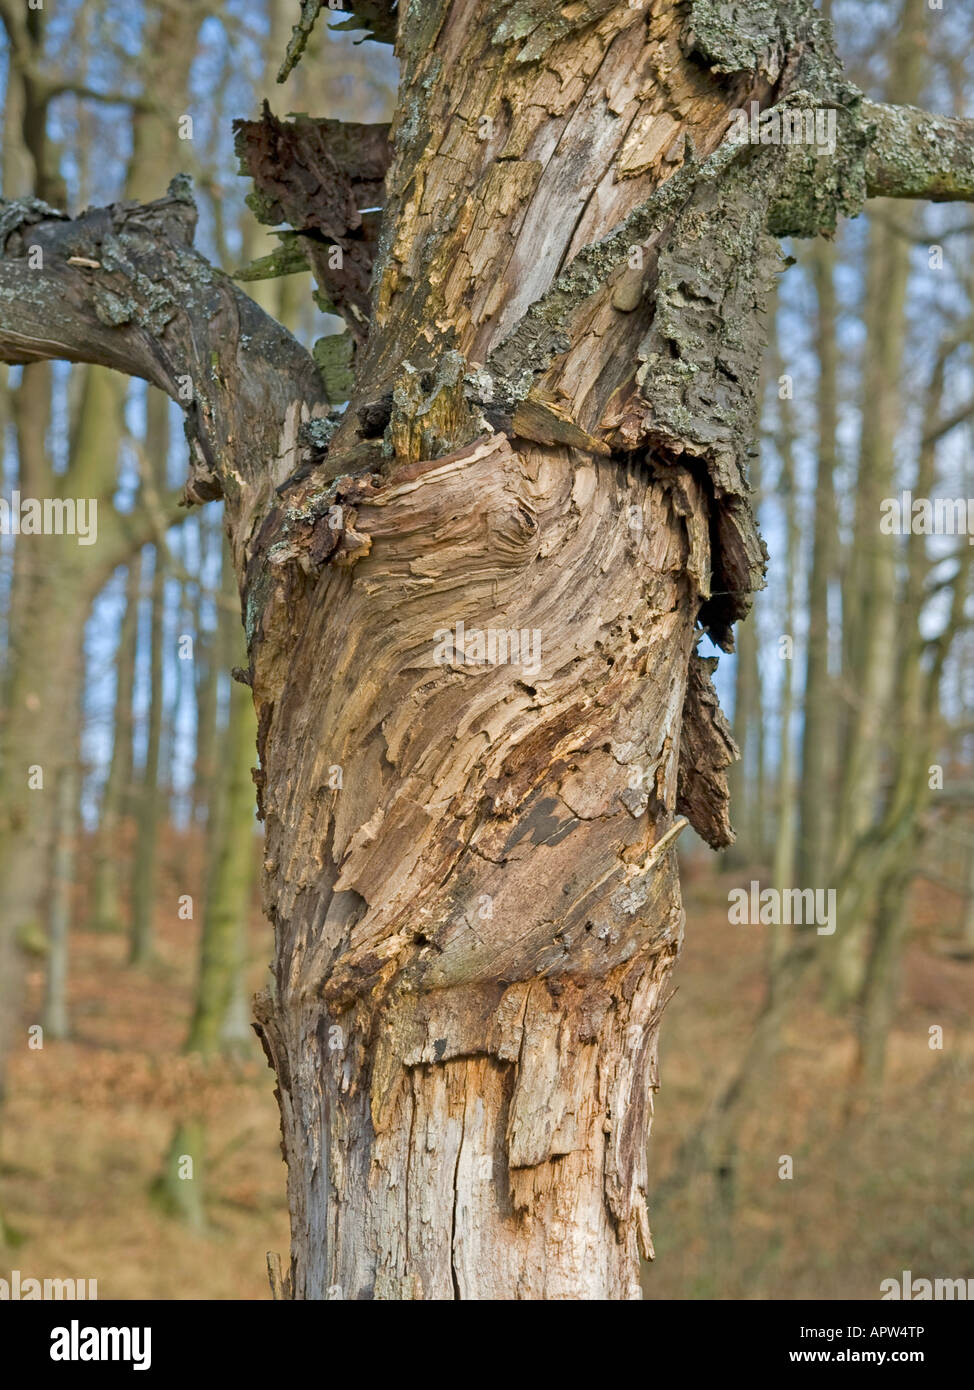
122	287
919	155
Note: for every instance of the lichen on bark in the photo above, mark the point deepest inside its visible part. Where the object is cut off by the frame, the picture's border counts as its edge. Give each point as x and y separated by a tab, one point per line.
549	435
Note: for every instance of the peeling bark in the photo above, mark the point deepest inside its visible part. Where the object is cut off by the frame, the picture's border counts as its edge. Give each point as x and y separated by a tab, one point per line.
492	893
707	749
325	179
470	860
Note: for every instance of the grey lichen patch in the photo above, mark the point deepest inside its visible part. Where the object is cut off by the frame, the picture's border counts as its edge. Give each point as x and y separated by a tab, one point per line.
735	37
543	333
111	309
480	383
317	503
24	212
150	299
317	434
537	24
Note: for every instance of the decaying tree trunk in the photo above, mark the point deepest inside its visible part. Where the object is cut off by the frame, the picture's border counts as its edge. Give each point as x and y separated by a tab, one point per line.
557	332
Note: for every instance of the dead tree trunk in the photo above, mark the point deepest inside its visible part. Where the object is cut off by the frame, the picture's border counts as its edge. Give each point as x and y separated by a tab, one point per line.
557	334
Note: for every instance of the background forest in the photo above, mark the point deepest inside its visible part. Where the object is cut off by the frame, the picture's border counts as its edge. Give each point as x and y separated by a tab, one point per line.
139	1145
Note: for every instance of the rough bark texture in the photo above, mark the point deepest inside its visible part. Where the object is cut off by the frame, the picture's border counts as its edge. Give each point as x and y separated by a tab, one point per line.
477	1088
470	864
476	990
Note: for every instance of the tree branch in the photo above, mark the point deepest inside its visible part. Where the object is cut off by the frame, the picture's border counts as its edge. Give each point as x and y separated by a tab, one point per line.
376	17
122	287
67	86
915	154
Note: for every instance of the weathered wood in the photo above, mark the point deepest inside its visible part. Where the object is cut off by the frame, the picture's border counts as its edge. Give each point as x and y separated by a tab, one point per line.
325	179
487	901
470	860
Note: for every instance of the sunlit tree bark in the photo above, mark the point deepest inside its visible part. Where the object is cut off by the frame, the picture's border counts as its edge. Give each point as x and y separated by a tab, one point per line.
557	333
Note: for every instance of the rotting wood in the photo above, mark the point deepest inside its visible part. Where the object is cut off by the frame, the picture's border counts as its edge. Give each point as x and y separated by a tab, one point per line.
475	921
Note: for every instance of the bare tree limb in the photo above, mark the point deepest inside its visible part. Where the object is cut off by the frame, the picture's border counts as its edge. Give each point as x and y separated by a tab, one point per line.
915	154
66	86
376	17
959	417
122	287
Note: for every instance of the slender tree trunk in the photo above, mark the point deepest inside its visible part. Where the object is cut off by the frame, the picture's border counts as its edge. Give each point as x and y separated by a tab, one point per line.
783	872
967	926
817	792
207	686
180	1189
106	888
143	890
55	1016
231	851
881	986
38	735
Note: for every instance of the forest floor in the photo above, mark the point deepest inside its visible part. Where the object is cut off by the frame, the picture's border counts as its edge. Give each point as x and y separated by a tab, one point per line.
90	1121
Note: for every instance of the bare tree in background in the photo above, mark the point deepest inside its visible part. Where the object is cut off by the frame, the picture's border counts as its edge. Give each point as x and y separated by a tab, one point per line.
556	332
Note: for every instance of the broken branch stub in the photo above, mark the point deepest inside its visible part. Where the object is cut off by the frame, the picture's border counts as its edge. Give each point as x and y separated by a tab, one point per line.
324	178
